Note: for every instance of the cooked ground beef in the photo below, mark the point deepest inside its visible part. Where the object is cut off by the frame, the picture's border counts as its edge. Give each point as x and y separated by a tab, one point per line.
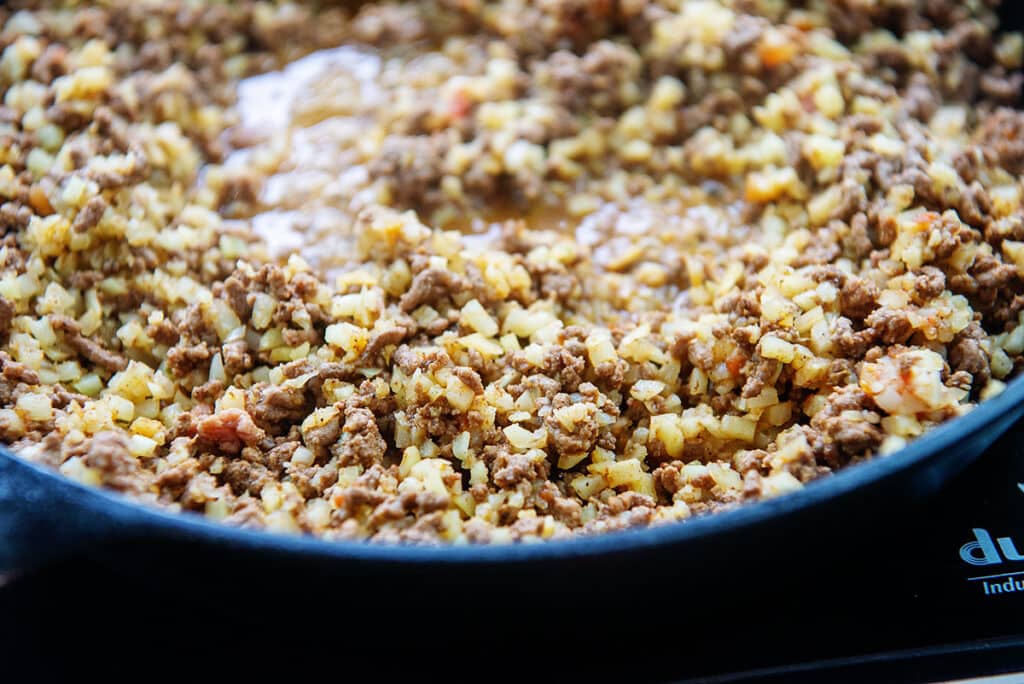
586	267
89	349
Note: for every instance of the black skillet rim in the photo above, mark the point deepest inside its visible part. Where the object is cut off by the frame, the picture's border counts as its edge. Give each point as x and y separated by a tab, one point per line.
134	517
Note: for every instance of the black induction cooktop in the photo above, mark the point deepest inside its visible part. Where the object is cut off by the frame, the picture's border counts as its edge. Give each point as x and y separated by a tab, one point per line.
927	594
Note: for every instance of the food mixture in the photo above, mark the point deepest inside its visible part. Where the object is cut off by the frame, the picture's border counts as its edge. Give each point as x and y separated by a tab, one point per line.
485	271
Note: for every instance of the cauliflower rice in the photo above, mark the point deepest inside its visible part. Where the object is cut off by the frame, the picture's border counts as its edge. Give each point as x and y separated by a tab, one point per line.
489	271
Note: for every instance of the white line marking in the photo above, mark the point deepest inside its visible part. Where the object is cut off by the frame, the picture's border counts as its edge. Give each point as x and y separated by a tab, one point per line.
1005	574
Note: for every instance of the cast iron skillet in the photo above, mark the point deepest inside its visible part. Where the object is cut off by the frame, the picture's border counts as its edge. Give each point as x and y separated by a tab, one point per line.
44	516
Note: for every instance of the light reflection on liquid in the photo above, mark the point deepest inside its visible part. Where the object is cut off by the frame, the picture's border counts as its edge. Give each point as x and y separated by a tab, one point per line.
314	117
315	188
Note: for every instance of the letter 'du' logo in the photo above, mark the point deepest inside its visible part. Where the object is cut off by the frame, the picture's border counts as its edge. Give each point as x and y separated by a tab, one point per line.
981	551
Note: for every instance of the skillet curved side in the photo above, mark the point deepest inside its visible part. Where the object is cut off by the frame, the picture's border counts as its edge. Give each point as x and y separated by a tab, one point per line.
44	515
